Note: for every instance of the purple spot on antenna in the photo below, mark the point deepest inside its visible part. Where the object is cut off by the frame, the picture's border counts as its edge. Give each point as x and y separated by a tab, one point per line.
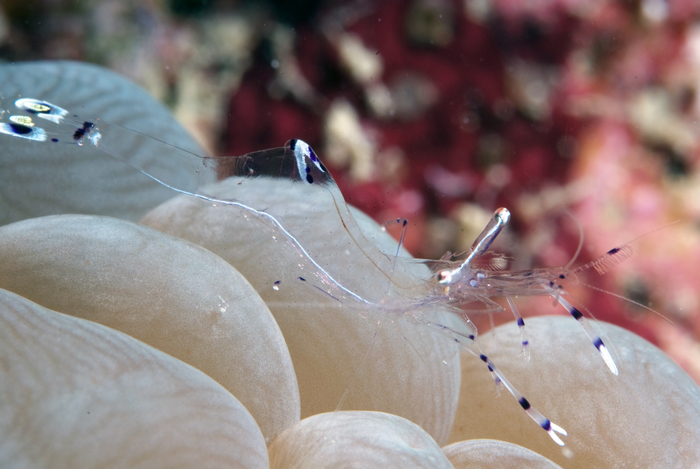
524	403
521	323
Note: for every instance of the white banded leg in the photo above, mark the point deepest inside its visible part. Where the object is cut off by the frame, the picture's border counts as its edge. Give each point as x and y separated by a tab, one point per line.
591	333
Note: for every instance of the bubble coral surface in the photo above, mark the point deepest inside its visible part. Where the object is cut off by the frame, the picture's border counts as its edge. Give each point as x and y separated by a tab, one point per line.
648	416
355	439
164	291
76	394
494	454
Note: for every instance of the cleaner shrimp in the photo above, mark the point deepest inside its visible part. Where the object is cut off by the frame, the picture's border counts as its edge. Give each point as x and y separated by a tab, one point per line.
454	284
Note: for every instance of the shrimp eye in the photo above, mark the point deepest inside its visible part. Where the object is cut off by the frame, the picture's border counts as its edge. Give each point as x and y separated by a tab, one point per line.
444	277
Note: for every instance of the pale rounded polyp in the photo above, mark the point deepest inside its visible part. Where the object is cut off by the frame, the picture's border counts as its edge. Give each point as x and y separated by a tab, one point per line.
164	291
79	395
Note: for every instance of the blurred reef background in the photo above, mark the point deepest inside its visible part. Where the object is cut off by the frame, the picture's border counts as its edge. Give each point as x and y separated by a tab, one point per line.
440	111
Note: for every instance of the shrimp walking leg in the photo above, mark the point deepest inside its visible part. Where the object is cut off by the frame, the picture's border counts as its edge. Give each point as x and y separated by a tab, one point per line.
591	333
473	348
521	324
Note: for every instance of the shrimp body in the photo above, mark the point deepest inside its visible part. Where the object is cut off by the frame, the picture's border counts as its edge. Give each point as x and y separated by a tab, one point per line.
462	284
477	284
455	285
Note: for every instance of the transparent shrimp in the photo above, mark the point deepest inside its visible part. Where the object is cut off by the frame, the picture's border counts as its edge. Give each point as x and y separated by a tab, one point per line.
463	284
454	285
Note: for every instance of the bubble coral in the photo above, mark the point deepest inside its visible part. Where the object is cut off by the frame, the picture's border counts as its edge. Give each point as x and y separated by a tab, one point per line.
368	439
78	394
166	292
409	370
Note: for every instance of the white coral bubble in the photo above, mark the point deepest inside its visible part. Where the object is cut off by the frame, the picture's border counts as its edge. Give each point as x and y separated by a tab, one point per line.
76	395
494	454
356	439
164	291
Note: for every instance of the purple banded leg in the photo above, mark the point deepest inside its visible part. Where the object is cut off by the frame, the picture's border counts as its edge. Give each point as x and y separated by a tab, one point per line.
588	329
551	428
472	337
540	419
521	324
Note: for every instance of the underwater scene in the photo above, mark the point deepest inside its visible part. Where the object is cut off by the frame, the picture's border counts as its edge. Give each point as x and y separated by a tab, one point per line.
423	233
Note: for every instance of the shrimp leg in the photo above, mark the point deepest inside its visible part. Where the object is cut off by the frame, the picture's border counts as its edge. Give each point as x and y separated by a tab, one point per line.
547	425
591	333
521	324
